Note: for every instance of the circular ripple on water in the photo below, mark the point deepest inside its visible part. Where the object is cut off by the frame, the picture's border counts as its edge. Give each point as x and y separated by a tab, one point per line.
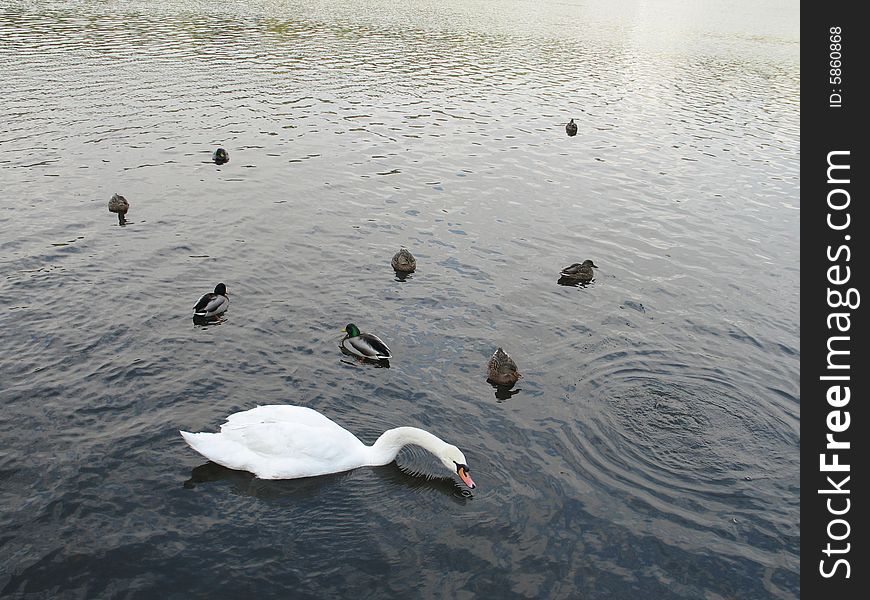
684	440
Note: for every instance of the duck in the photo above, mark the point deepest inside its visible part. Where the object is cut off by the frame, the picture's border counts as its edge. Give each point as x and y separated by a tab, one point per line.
571	128
212	304
220	156
284	441
580	271
364	345
118	204
502	370
403	261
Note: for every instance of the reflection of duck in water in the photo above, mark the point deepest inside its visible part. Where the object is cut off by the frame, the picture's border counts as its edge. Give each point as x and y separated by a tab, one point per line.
502	370
579	271
403	261
220	156
571	128
118	204
212	304
364	345
288	442
504	392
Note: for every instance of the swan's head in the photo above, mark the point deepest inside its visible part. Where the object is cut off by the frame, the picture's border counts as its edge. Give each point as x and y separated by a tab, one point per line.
453	458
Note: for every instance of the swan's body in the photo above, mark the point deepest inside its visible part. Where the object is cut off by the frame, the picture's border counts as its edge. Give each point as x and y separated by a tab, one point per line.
220	156
288	442
571	128
212	304
364	345
502	369
403	261
580	271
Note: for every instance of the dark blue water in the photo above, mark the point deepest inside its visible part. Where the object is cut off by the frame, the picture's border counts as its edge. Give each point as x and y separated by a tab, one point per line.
651	449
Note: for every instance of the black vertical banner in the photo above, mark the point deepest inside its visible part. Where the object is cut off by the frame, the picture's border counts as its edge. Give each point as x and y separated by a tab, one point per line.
834	370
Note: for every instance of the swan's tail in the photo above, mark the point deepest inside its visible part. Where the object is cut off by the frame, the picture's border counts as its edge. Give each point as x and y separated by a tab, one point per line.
197	441
217	448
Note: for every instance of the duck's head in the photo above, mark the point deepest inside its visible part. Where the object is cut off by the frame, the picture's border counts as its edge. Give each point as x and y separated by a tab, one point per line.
351	330
452	458
220	289
589	263
220	156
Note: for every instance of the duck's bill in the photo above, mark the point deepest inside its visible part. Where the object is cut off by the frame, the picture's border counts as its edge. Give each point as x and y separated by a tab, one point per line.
344	329
466	478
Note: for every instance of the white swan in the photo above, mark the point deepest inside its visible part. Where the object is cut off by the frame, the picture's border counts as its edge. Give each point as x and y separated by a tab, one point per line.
287	442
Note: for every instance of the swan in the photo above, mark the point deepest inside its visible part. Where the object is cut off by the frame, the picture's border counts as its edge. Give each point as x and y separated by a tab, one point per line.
364	345
212	304
118	204
287	442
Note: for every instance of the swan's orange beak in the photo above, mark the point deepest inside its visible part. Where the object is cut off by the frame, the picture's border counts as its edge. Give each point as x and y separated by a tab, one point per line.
462	470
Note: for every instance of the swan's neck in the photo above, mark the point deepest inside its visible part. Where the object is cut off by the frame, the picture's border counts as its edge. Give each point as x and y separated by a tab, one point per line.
384	450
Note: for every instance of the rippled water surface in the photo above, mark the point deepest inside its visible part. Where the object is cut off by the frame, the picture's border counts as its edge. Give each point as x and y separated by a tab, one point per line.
651	449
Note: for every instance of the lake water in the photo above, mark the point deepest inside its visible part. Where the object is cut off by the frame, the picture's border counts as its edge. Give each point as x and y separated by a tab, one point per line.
651	449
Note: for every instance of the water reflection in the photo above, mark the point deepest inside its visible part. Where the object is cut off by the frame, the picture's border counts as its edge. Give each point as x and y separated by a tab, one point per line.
395	474
574	282
503	392
267	489
204	322
390	475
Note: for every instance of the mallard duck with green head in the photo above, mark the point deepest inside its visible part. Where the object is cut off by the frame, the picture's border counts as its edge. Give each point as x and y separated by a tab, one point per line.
364	345
580	271
212	304
502	370
220	156
403	261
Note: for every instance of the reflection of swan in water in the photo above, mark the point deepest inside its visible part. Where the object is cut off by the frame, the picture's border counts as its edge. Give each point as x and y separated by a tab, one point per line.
391	474
289	442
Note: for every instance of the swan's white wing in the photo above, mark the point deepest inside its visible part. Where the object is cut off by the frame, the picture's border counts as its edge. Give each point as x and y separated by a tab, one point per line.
280	413
281	442
281	450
